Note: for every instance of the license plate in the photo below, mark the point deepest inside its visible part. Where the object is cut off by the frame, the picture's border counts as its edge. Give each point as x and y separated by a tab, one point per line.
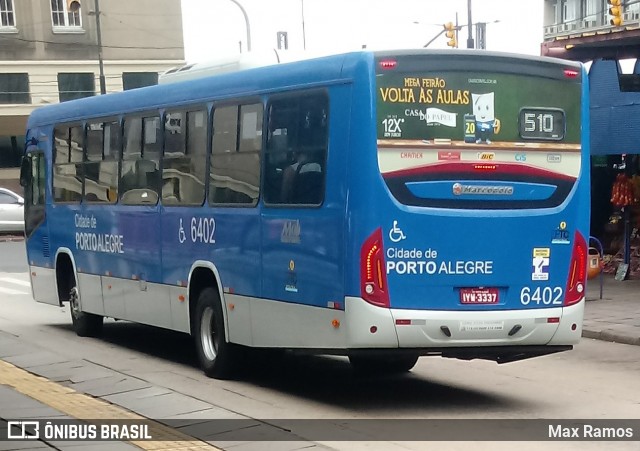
478	295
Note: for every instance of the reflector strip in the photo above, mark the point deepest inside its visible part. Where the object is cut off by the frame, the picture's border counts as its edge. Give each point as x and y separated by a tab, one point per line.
403	322
553	320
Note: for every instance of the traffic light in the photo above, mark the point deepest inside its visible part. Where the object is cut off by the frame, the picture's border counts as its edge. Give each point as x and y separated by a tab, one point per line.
450	33
615	11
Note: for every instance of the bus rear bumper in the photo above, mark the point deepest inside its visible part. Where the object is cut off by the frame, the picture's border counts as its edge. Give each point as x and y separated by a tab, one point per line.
369	326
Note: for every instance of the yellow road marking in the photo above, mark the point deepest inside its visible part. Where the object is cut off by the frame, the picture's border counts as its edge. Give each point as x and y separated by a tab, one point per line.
81	406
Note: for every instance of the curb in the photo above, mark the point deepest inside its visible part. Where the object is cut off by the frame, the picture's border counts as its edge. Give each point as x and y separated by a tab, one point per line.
614	337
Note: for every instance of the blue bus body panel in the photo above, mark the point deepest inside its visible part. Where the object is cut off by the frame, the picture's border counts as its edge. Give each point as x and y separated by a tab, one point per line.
247	246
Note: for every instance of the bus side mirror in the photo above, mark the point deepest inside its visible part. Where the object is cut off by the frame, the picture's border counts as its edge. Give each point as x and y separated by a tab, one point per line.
25	171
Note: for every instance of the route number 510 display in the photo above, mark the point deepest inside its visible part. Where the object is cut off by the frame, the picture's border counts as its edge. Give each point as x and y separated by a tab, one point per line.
541	124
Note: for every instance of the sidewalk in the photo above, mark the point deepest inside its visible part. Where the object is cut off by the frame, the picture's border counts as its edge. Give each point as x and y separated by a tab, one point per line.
38	384
15	405
615	317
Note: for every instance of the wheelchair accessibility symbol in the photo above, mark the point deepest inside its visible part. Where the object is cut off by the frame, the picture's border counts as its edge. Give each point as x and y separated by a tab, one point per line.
396	234
182	236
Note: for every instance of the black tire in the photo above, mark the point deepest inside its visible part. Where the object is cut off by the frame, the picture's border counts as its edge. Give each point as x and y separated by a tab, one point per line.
84	324
218	358
374	365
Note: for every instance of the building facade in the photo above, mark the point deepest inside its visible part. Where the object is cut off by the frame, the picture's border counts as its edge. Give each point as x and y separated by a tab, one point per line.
49	52
581	30
607	34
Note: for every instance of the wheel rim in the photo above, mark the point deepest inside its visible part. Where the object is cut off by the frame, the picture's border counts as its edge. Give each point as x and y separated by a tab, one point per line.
74	301
208	335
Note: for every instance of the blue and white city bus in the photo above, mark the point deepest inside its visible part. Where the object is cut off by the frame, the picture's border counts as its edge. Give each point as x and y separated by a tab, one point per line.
378	205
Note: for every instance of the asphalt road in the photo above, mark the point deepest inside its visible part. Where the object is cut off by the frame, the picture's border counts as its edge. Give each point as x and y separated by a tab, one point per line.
597	380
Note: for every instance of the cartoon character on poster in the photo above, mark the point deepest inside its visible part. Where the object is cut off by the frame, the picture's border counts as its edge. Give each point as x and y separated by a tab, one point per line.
485	123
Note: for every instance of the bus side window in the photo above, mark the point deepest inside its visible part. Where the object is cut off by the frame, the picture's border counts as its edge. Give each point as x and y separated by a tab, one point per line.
296	150
101	168
184	159
67	169
235	155
140	175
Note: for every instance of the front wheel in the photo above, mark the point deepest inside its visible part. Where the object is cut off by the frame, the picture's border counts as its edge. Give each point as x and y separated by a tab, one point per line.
373	365
218	358
84	324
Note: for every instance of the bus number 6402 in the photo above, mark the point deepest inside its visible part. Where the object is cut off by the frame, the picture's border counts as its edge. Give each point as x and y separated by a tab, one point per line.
203	230
544	295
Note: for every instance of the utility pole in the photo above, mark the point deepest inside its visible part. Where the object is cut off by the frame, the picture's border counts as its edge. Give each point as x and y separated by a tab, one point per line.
103	82
74	7
470	43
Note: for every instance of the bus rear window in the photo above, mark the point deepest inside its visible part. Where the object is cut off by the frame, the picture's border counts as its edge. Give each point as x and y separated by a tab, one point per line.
478	139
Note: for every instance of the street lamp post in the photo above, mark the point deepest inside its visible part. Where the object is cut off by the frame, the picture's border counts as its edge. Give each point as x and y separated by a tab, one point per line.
246	21
304	36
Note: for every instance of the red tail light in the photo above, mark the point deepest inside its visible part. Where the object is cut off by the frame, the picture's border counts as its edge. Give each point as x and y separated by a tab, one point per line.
576	282
373	276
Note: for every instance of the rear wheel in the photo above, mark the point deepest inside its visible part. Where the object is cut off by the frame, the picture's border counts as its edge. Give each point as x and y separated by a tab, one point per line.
84	324
383	364
218	358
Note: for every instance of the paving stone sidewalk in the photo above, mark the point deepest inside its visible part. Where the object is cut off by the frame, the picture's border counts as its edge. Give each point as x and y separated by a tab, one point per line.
615	317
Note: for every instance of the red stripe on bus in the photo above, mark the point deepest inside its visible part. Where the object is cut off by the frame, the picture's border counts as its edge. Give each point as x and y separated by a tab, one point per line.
470	168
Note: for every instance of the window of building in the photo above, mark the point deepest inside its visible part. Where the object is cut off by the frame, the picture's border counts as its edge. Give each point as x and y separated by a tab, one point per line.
235	160
140	174
66	14
570	11
591	8
14	88
7	15
76	85
101	168
184	161
67	168
297	149
133	80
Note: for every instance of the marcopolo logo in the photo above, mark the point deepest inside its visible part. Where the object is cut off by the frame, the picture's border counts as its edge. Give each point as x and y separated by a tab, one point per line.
459	189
